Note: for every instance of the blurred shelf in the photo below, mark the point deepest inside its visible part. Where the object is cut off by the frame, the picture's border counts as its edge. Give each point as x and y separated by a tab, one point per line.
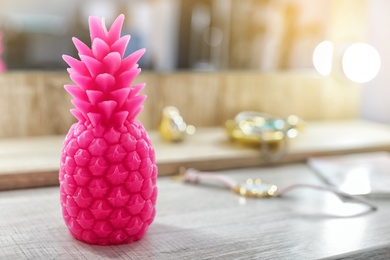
34	162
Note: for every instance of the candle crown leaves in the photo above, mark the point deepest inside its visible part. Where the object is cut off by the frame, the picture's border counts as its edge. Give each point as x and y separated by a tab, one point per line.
103	92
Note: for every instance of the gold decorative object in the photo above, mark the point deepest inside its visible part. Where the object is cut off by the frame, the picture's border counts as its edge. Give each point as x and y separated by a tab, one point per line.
172	127
269	132
256	188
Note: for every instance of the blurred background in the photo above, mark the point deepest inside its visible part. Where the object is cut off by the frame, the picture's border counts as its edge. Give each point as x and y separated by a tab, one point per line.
210	35
179	34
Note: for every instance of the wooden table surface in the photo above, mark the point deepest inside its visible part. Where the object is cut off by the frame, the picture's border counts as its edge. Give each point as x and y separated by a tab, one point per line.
207	222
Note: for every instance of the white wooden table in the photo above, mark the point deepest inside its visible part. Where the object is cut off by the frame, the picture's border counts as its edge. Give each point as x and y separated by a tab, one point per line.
207	222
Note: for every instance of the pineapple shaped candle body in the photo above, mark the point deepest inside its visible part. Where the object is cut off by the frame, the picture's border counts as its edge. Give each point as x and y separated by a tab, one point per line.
108	170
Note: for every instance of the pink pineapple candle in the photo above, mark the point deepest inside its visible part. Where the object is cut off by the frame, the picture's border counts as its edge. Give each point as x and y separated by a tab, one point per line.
108	169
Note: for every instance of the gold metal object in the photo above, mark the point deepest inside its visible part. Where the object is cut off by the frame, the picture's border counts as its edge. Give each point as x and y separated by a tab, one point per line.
247	125
256	188
172	127
269	132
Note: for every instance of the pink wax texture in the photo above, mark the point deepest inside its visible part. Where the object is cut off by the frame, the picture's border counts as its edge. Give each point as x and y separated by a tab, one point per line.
108	168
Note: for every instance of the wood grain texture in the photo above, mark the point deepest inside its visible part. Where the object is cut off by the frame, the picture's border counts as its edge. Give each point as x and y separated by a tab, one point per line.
35	103
207	222
34	161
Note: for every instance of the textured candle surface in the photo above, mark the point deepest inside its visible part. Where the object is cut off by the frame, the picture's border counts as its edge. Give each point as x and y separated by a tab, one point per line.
108	169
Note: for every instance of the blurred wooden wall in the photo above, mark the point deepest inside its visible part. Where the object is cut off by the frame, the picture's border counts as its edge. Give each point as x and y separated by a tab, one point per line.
251	34
35	103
